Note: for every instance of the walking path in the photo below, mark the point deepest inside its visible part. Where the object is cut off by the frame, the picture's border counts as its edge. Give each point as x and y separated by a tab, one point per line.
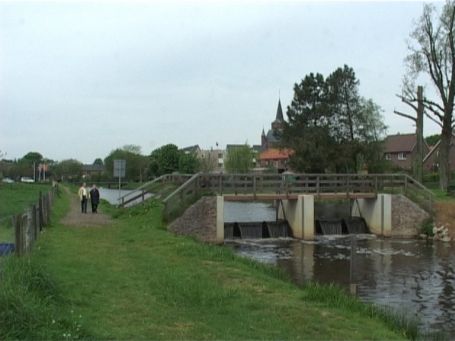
76	218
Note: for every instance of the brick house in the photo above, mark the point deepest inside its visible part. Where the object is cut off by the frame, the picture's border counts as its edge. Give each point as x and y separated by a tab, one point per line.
400	150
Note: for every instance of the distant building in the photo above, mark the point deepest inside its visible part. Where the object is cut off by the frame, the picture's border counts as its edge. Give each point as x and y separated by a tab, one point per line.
92	170
212	160
272	155
276	158
273	137
400	150
191	149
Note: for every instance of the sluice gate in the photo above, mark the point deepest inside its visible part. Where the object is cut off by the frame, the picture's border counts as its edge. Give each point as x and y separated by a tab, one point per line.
257	230
351	225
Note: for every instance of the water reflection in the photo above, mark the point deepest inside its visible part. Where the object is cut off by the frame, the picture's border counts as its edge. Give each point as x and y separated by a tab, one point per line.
112	195
413	276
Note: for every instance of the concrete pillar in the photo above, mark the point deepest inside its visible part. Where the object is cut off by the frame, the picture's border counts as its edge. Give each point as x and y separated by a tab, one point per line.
220	219
308	216
300	216
377	213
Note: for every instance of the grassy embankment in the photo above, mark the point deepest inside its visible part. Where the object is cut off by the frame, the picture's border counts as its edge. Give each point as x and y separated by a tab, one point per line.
134	280
15	198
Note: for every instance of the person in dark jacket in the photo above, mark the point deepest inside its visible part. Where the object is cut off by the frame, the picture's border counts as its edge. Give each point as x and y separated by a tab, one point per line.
94	198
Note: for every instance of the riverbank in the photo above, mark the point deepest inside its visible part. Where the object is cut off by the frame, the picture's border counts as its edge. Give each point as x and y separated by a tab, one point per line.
132	279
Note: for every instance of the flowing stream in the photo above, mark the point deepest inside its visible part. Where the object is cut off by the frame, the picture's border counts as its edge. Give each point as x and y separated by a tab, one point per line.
412	276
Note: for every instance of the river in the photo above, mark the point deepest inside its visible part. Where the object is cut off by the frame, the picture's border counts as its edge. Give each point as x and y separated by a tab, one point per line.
112	195
416	277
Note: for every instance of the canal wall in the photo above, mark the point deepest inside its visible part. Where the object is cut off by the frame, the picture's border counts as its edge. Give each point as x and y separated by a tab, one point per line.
199	220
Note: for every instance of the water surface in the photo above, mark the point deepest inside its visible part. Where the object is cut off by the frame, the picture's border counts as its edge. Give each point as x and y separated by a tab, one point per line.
413	276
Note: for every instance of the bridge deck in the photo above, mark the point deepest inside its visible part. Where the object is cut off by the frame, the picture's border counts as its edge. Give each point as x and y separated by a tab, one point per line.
294	196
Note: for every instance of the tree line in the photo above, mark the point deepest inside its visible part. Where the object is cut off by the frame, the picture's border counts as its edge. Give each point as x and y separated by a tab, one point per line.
139	167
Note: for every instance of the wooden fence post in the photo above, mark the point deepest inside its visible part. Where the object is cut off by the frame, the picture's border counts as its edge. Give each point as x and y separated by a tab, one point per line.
48	208
28	217
40	211
34	225
19	235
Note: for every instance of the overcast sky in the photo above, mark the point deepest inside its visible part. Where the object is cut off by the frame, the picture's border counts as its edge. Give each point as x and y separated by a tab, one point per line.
80	79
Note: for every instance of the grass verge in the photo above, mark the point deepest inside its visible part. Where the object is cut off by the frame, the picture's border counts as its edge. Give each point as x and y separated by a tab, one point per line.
15	198
134	280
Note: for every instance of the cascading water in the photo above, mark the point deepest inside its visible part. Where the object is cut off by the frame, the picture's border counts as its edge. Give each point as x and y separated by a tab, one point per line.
278	229
356	225
257	230
330	226
252	230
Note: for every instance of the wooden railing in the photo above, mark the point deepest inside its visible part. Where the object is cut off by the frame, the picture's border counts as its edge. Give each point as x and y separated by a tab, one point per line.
141	193
297	184
183	196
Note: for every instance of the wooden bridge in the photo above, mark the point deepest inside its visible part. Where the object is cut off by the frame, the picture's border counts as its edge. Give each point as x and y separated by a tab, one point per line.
248	187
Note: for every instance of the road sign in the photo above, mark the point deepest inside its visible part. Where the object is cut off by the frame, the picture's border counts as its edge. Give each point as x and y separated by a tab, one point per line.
119	168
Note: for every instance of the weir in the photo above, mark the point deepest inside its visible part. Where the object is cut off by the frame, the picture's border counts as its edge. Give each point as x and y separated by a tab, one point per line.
257	230
370	214
332	226
356	225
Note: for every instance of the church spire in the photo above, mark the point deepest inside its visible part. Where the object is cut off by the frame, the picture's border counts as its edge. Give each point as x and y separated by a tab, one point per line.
279	112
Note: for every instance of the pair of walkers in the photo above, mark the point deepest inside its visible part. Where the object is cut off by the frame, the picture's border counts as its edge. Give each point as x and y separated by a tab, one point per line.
93	195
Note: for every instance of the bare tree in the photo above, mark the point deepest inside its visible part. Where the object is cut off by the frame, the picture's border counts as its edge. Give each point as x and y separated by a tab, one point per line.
432	53
417	162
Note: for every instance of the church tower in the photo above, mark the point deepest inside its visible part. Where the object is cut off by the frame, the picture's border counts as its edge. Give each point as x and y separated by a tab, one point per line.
277	125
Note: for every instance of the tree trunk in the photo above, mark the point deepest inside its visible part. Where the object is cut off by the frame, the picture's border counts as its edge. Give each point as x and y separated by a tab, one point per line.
417	164
444	149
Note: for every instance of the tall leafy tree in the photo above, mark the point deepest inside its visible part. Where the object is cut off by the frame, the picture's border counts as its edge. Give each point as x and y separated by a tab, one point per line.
165	160
188	163
239	159
99	162
432	55
431	140
31	157
67	169
308	126
330	126
136	164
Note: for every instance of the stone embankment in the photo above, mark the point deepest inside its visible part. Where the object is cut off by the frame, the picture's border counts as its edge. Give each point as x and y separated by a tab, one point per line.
198	221
407	217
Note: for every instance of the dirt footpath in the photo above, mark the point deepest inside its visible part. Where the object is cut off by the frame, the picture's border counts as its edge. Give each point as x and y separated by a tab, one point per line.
76	218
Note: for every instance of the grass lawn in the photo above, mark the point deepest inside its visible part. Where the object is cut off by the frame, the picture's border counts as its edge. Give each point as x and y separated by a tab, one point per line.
135	280
14	198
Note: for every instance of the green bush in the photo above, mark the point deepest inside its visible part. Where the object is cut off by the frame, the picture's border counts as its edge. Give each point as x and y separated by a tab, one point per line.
427	227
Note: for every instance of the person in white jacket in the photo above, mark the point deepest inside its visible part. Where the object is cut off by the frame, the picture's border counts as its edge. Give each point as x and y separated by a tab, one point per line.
83	196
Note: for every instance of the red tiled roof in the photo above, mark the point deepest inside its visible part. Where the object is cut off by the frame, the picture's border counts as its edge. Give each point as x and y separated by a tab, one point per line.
400	143
276	154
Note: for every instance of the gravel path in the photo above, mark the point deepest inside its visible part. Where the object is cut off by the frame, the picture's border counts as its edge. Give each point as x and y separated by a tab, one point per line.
76	218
